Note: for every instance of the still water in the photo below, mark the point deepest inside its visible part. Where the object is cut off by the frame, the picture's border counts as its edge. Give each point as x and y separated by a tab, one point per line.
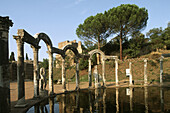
109	100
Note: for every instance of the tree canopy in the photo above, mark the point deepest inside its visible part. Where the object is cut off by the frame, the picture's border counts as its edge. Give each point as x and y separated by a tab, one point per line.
123	21
155	38
94	29
126	20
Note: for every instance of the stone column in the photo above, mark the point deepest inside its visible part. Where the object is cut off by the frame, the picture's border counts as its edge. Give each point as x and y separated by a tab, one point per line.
5	23
161	70
63	75
89	74
20	72
103	73
145	73
50	72
117	100
130	77
36	72
77	75
116	72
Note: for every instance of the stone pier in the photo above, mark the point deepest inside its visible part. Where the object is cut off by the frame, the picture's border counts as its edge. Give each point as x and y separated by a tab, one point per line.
36	72
63	75
145	73
77	75
89	74
116	72
103	72
5	23
50	71
130	77
161	70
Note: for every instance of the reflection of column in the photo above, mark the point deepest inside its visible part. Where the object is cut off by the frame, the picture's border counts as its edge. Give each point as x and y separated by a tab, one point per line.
161	70
131	99
51	86
51	104
145	73
146	99
63	75
104	100
36	72
78	102
117	100
5	23
64	103
97	91
130	77
90	102
20	72
162	99
77	75
116	71
89	74
103	72
36	109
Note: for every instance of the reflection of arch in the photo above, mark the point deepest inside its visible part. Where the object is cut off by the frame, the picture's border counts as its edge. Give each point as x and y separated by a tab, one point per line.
75	51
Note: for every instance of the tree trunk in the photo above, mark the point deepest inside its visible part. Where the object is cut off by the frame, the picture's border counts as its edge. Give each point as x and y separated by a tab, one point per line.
121	44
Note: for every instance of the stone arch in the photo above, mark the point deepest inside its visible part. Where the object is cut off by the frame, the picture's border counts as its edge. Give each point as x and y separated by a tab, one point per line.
71	47
45	38
104	57
75	51
91	53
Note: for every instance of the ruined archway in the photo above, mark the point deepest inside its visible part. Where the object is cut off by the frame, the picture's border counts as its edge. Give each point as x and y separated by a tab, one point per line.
75	51
46	39
103	58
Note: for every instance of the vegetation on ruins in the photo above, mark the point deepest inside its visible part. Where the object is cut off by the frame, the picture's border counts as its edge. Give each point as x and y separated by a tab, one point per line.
44	63
12	57
27	57
94	30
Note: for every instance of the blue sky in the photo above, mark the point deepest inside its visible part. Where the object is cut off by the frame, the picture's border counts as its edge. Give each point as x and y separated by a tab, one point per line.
60	18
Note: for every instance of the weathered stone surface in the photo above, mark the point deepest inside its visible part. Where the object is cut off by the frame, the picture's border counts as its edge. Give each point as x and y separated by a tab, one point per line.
5	23
4	102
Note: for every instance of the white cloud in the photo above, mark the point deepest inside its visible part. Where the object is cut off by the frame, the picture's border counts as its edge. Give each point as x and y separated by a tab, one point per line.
78	1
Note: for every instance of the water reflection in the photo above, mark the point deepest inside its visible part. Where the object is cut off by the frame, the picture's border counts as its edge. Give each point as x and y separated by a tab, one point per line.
115	100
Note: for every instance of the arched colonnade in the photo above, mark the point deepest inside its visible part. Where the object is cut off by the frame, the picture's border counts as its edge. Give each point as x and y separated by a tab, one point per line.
23	37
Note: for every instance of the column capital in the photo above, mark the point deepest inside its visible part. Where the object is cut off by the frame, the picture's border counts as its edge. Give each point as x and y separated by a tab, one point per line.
18	39
36	48
5	23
